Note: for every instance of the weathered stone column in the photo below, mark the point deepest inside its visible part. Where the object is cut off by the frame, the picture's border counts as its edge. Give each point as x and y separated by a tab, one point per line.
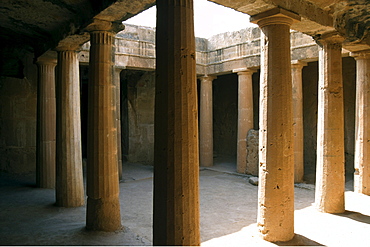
46	122
362	148
245	116
276	174
69	180
117	92
103	207
176	156
206	121
330	180
297	67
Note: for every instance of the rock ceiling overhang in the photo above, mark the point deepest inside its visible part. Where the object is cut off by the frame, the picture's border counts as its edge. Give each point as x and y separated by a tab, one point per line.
39	25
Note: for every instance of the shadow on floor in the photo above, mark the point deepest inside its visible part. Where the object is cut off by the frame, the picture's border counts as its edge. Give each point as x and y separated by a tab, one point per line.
355	216
299	240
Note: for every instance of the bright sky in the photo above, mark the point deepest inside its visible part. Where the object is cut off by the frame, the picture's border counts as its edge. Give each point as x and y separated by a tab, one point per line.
209	19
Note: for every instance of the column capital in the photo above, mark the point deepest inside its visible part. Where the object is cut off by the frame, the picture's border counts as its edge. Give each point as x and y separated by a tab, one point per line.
72	42
244	71
119	68
298	64
48	57
207	77
329	38
360	55
275	16
102	25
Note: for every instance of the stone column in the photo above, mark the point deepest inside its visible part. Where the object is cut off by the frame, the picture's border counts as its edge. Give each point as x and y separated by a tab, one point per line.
206	121
103	207
297	67
117	93
362	148
69	180
245	116
330	180
276	174
176	156
46	122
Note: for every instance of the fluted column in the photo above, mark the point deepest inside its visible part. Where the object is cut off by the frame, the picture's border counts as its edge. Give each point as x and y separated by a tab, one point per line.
245	117
297	67
176	158
46	123
69	183
206	121
362	146
330	180
117	93
276	175
103	207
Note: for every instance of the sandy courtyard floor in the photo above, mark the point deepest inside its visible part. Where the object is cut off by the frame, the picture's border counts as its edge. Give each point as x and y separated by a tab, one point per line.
228	214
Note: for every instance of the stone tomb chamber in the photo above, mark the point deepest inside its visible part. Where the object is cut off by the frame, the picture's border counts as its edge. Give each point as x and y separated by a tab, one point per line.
85	98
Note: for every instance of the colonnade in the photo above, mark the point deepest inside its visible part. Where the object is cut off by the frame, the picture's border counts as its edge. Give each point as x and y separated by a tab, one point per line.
103	209
176	173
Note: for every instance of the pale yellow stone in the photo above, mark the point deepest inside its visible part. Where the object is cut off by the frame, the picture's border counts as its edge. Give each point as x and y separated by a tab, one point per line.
362	147
330	180
46	123
176	157
103	207
297	67
69	183
276	175
206	121
245	117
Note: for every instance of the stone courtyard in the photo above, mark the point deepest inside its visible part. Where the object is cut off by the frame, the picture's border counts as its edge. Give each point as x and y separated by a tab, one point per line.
87	102
29	216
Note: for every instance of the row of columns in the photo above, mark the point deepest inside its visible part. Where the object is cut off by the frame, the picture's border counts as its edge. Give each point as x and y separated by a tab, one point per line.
59	154
245	119
176	173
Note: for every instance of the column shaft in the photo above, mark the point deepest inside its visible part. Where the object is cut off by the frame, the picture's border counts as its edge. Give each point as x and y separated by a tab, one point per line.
362	148
117	92
176	158
297	67
69	183
245	118
46	124
103	207
276	175
206	122
330	179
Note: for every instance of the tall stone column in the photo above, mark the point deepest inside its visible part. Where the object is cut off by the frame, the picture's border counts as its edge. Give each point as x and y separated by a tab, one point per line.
117	93
297	67
276	174
69	180
362	146
245	116
103	207
46	123
330	180
206	121
176	157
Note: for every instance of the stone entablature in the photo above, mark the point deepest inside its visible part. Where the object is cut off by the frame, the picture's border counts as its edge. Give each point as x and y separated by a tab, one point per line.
220	54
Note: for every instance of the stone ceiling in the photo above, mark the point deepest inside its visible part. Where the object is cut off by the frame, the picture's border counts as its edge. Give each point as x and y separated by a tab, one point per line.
39	25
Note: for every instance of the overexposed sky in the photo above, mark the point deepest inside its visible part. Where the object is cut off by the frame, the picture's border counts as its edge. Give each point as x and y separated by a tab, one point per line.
209	19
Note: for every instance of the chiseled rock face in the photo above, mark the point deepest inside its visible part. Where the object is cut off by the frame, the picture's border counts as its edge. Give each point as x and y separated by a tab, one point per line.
252	152
351	18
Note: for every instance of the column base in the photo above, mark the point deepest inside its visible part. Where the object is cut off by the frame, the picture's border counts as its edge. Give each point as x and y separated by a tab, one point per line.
276	235
103	214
